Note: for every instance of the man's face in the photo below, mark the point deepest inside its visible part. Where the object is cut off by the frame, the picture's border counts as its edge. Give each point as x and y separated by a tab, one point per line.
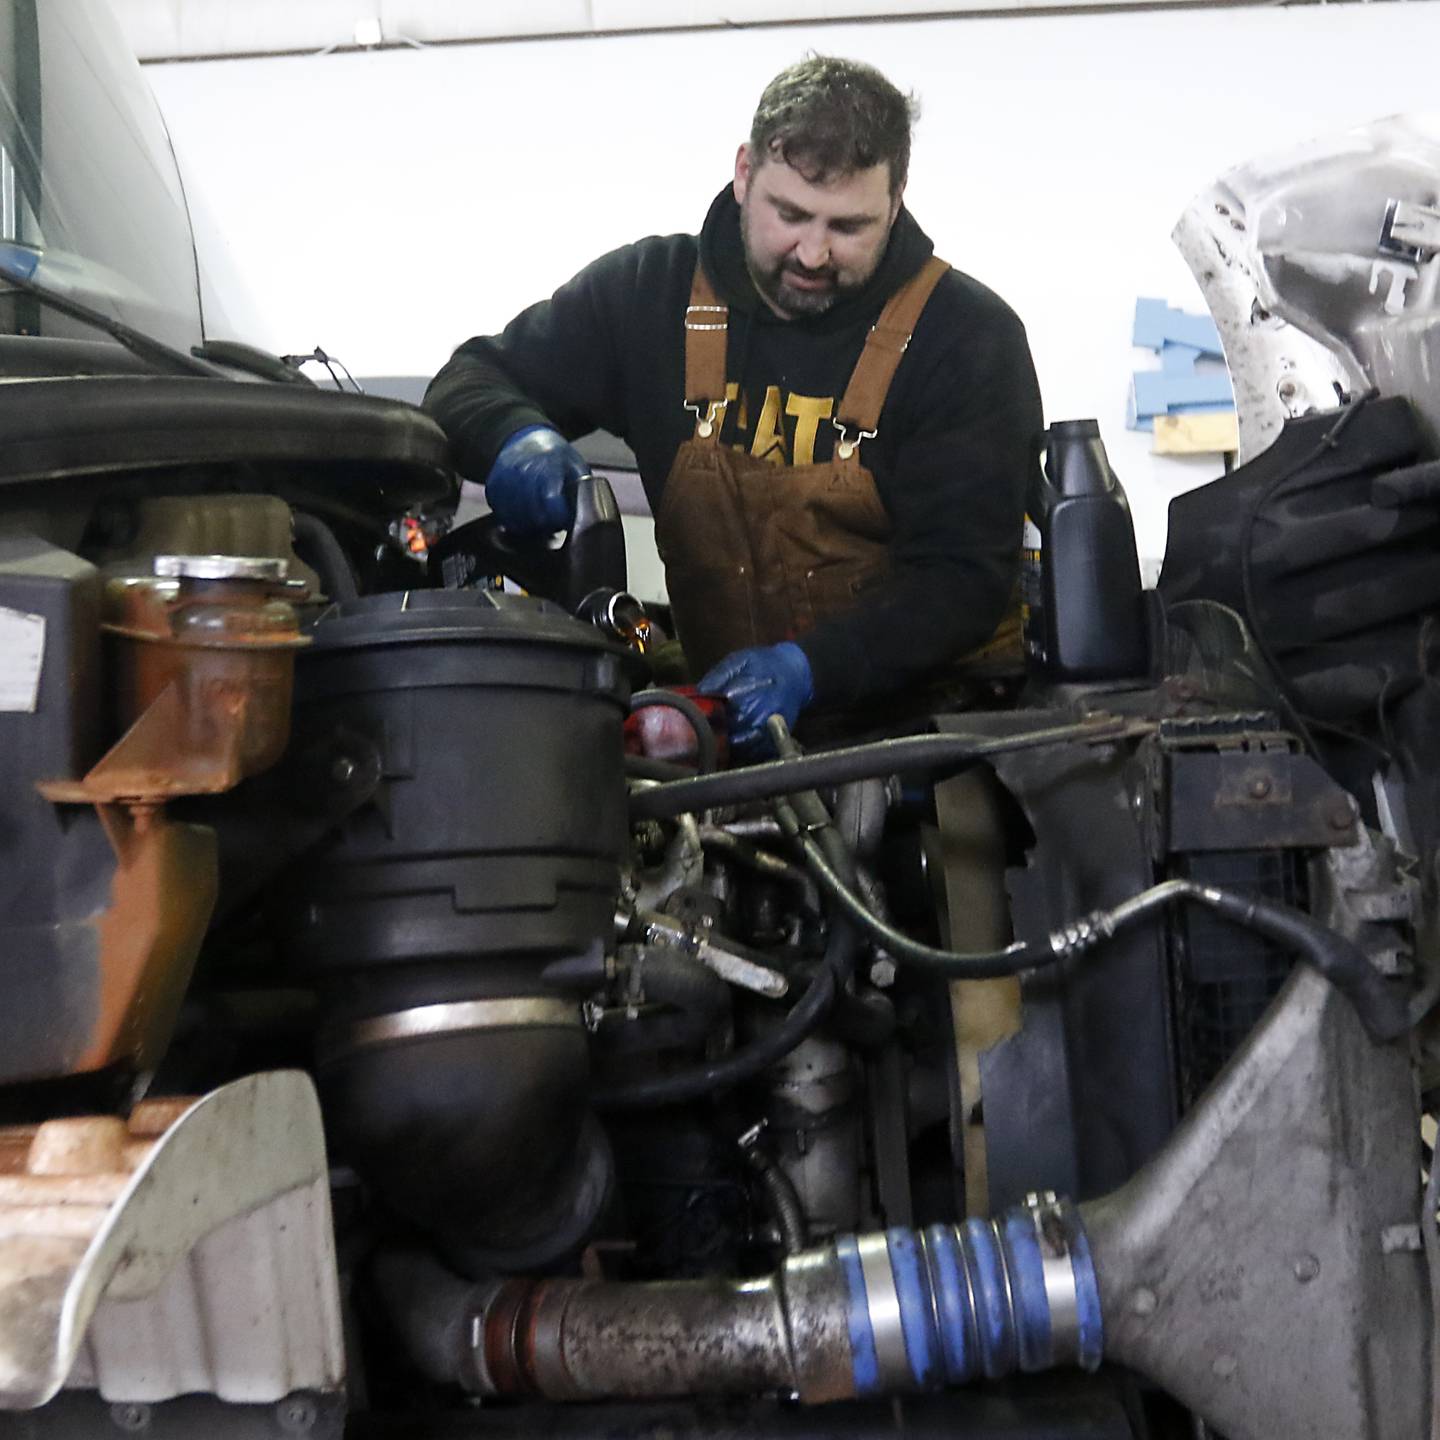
806	244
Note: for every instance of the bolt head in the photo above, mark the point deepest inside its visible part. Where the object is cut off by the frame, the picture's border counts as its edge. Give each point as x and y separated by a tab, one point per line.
296	1414
883	973
131	1417
1260	787
1305	1268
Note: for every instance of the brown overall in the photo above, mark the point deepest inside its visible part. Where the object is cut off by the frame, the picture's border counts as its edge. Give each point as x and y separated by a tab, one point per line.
757	553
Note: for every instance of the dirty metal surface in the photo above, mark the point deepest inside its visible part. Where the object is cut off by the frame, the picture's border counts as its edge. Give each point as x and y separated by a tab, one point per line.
171	1253
77	1415
1253	799
1245	1268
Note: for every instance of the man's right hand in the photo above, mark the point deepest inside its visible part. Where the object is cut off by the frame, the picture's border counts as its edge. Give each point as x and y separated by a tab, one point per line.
531	485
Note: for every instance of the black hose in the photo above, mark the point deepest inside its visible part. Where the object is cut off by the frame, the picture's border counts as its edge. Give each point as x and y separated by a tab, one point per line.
805	808
864	1018
667	976
864	762
1382	1009
762	862
670	977
642	767
781	1195
323	552
979	965
705	746
701	1080
767	1049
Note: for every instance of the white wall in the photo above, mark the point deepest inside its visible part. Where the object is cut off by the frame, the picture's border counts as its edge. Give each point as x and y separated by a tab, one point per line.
388	205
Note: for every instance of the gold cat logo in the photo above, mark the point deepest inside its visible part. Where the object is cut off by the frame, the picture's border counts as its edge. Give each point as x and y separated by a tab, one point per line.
772	439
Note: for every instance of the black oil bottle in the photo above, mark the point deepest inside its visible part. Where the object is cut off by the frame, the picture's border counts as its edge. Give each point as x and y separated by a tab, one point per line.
1083	614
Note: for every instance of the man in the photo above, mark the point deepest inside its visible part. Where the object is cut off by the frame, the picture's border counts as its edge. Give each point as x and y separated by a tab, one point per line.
833	428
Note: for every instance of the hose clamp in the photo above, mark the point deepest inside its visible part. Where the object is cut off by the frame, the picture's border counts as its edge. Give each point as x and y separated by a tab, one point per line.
427	1021
1052	1235
883	1303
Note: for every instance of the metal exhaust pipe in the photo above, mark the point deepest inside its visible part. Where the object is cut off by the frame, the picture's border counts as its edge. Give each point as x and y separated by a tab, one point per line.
1263	1269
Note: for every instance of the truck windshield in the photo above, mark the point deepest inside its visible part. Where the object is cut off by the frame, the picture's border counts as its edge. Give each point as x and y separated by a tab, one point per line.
88	183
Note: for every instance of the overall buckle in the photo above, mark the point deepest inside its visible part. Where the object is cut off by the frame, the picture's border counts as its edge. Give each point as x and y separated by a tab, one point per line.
705	424
845	447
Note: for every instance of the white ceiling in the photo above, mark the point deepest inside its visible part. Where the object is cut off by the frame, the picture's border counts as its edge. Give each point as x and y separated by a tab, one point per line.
192	29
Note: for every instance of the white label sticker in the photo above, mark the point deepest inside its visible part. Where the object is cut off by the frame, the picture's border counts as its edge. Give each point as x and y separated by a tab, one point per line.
1030	537
22	652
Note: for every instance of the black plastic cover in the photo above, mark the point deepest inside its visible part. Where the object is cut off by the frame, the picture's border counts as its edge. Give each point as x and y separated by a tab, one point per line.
1341	558
55	863
500	822
105	424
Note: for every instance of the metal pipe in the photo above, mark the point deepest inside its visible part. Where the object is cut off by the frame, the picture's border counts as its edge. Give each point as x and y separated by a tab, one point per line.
866	762
899	1312
1279	1301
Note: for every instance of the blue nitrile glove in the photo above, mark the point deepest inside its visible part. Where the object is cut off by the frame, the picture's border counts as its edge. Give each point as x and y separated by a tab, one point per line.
756	684
531	485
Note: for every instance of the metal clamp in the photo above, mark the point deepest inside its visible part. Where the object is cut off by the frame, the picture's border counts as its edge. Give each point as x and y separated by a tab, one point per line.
430	1020
845	447
1061	1293
705	424
221	567
882	1300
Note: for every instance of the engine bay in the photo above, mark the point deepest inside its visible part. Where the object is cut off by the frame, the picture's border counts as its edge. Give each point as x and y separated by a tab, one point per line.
415	1024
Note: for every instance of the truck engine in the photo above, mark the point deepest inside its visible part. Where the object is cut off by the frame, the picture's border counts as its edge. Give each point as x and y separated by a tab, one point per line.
415	1025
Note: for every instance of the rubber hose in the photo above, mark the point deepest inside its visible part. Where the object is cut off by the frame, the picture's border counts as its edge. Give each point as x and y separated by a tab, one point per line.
670	977
1383	1011
667	976
804	1017
325	556
701	1080
782	1196
862	762
979	965
642	767
705	744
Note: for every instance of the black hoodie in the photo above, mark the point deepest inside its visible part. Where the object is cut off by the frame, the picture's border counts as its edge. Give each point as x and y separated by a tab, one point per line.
950	459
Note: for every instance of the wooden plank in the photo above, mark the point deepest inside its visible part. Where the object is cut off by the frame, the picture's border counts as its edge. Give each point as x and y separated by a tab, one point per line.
1211	433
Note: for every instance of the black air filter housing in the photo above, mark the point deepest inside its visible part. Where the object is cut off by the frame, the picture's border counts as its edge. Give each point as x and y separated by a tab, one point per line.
499	825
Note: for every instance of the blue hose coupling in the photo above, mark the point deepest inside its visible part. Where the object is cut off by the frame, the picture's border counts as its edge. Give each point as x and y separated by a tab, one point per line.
955	1303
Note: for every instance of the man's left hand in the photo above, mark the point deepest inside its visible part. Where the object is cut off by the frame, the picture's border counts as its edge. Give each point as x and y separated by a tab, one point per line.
756	684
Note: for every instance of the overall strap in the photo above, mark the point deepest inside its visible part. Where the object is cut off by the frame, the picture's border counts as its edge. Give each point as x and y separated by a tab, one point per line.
864	396
706	328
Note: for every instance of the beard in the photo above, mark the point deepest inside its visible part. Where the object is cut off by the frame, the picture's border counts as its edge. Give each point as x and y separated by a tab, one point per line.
773	280
812	299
